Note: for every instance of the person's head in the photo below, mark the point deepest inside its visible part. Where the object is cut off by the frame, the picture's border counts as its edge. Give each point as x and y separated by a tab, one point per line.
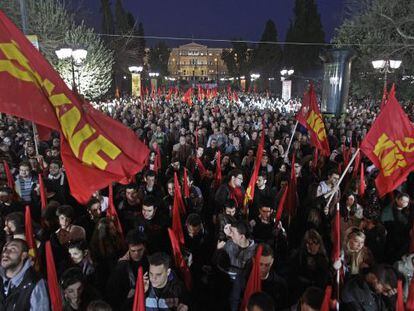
333	177
260	301
200	151
136	245
148	207
311	299
313	242
78	251
265	211
236	178
170	187
98	305
194	225
54	167
13	256
350	200
159	269
14	223
150	179
72	283
402	200
131	193
298	169
94	208
182	139
24	169
381	278
356	240
175	164
240	232
65	215
261	181
6	194
230	207
266	261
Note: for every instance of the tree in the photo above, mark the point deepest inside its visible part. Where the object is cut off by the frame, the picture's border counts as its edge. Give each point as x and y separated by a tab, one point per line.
158	58
237	59
379	29
121	18
107	18
305	27
267	56
141	44
55	28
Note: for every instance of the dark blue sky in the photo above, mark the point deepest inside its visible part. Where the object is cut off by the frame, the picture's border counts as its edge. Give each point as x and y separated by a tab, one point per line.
218	19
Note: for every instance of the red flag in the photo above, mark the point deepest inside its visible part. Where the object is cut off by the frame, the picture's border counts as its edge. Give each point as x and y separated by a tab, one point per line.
29	233
409	305
168	97
179	261
201	167
112	213
291	197
388	145
327	299
336	234
362	185
217	175
93	152
52	280
42	190
186	188
254	283
176	220
188	97
281	205
252	183
10	179
399	305
311	118
235	97
178	194
139	296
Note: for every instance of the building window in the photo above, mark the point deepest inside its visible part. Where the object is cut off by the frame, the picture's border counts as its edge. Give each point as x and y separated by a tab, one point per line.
184	72
202	72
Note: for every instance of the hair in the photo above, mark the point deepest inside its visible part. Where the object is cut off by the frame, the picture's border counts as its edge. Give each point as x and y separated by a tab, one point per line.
267	250
385	274
98	305
261	301
134	237
23	244
17	218
194	220
230	203
6	189
333	171
65	210
71	276
148	200
242	228
25	163
158	259
81	245
402	195
91	202
57	162
131	186
313	297
354	231
150	173
104	242
235	172
312	234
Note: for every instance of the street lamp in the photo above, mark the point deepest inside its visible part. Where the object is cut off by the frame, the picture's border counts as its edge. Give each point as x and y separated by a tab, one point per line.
386	67
136	80
76	57
217	73
286	83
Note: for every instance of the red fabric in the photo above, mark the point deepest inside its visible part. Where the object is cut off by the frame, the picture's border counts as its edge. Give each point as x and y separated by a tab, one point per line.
96	150
254	283
176	219
281	205
236	194
139	297
409	305
388	146
399	305
249	196
178	194
201	167
112	213
336	235
327	299
179	261
188	97
186	188
362	185
52	280
235	97
42	190
10	179
310	117
217	175
292	193
29	232
168	97
346	152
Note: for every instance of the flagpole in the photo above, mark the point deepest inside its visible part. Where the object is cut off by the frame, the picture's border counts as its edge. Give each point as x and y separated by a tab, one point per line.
290	141
335	189
338	276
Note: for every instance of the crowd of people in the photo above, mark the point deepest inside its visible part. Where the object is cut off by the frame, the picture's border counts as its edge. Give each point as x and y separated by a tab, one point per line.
97	264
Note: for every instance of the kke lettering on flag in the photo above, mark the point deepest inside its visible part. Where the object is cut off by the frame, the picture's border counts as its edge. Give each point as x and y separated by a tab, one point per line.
311	118
96	150
389	144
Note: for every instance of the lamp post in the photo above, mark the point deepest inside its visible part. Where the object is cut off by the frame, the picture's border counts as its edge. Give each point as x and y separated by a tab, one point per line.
254	77
217	73
286	83
76	58
386	67
154	77
135	80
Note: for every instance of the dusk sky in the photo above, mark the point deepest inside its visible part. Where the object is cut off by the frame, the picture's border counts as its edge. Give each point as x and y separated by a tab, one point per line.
218	19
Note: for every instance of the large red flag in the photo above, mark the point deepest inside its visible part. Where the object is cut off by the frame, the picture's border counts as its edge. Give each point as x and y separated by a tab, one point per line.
139	296
310	117
254	283
112	213
389	144
252	183
176	219
52	280
29	233
96	150
399	304
179	260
